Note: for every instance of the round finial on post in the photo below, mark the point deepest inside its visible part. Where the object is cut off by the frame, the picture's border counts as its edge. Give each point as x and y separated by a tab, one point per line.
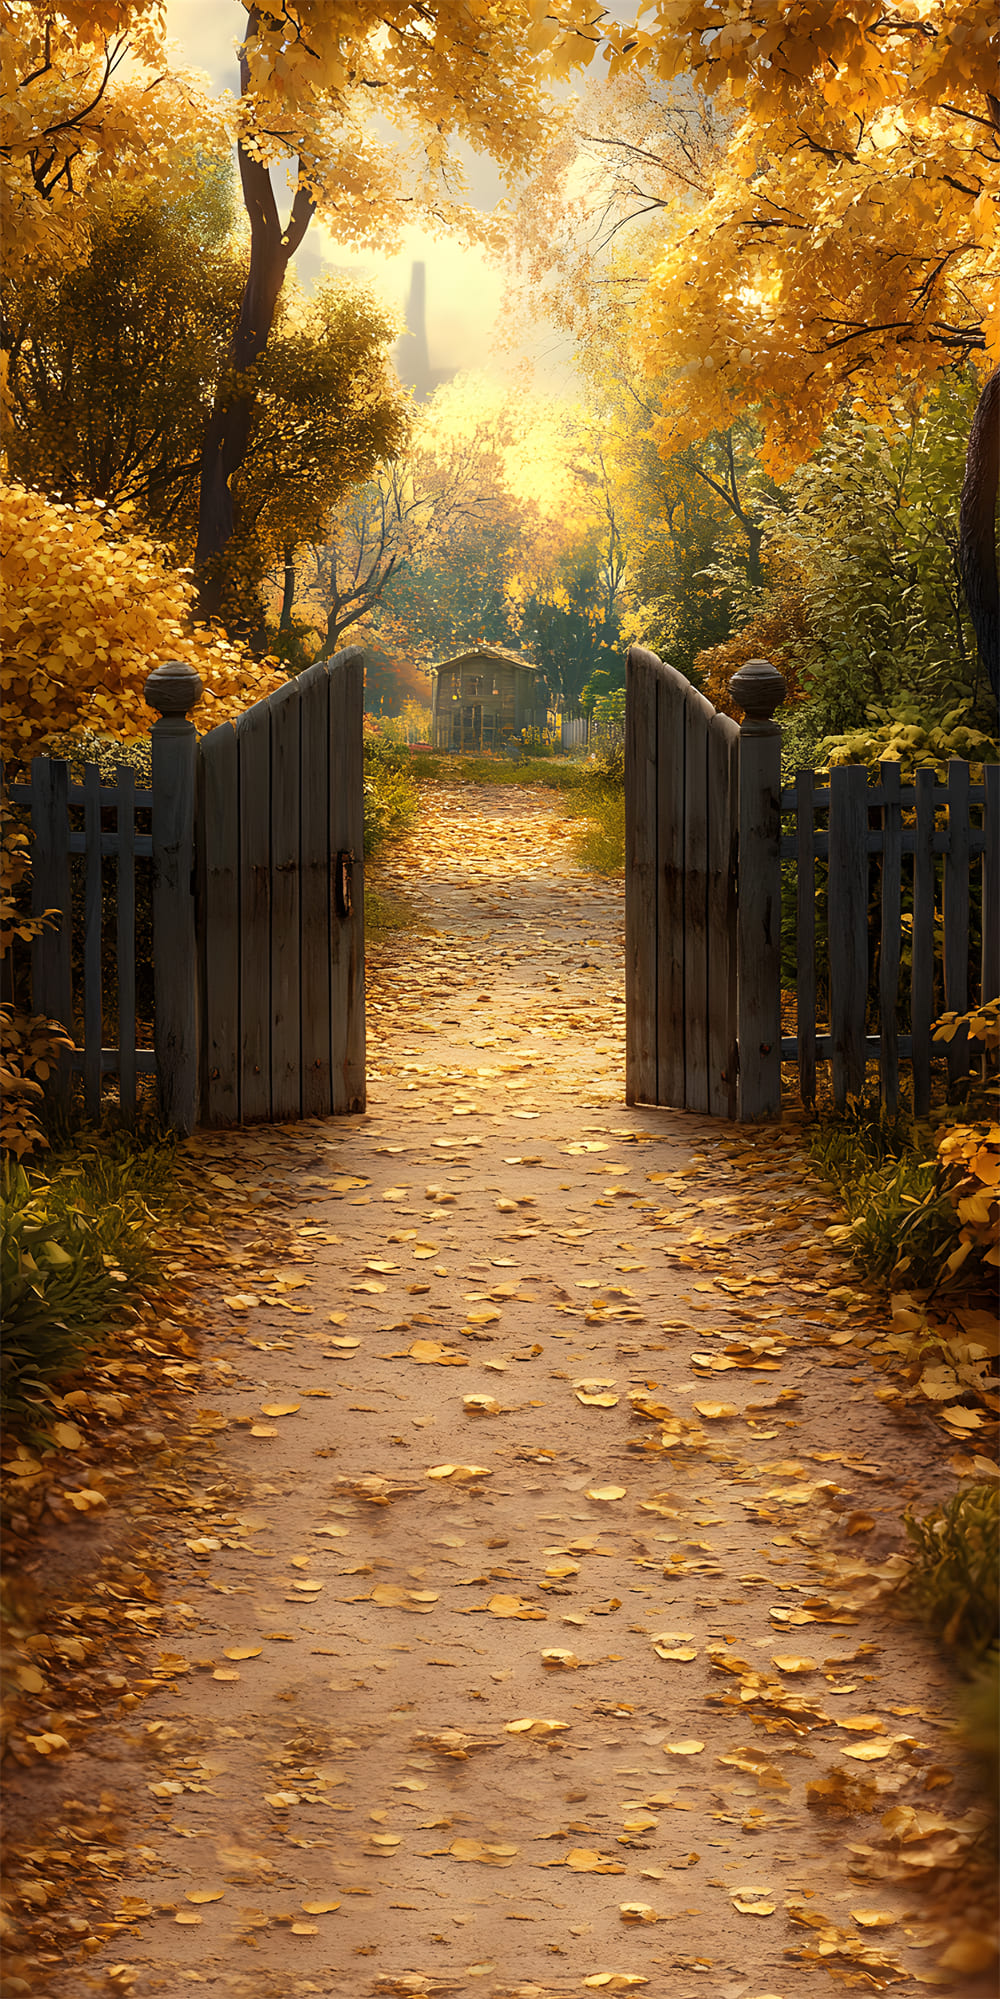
758	688
172	689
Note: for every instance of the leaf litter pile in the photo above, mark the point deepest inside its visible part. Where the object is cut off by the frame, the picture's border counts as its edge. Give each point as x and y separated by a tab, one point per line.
476	1573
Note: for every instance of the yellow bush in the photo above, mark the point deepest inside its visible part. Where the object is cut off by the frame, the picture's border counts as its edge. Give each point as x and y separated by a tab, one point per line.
89	610
969	1169
30	1047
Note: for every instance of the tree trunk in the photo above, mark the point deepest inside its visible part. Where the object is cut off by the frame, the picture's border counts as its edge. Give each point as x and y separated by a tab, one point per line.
977	535
228	430
288	590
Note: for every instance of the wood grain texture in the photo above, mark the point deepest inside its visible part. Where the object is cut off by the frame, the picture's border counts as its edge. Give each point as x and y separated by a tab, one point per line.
640	877
990	988
219	887
286	1051
175	951
667	841
723	847
52	950
315	886
253	736
125	940
848	926
805	932
955	899
758	926
93	1008
890	938
697	715
347	836
922	963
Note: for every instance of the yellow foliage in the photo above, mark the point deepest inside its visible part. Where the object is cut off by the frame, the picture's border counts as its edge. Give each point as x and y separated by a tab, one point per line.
88	613
969	1169
72	126
30	1048
850	235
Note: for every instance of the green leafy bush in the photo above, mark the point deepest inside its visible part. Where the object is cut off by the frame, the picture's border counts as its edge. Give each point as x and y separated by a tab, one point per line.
954	1577
77	1239
390	794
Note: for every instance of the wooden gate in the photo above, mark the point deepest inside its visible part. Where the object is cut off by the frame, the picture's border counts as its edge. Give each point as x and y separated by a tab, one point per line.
280	841
255	844
680	893
890	864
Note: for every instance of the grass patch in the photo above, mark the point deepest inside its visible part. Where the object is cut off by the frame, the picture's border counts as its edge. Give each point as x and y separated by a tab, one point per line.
386	914
953	1587
600	841
901	1223
78	1240
954	1580
554	773
391	796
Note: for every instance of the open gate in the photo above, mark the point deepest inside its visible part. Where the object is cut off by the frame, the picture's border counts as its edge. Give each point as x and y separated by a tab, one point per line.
280	891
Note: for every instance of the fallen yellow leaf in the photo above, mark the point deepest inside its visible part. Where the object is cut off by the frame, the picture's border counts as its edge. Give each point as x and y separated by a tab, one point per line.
606	1491
459	1471
534	1725
689	1748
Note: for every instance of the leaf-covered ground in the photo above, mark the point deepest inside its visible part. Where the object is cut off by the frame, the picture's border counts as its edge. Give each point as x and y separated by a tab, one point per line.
509	1581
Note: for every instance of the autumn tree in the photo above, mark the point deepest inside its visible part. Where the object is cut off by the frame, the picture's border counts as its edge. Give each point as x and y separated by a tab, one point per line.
849	240
88	610
114	363
80	119
309	76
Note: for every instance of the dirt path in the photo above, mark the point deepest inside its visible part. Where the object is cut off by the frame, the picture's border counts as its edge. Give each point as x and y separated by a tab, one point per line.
540	1692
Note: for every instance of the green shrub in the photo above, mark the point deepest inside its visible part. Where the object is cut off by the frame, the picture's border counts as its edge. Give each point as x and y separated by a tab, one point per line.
77	1240
954	1577
390	794
886	1172
600	842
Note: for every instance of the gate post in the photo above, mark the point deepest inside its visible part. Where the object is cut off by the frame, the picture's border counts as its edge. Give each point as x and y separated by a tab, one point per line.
758	689
173	689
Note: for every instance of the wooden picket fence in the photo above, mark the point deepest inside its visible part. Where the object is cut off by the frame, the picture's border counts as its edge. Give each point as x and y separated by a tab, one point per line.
254	843
710	868
72	819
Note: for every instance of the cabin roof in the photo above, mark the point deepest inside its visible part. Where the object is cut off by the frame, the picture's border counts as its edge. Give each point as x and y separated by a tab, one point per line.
498	655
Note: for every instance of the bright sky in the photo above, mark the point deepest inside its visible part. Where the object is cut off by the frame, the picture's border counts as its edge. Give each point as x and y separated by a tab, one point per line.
465	290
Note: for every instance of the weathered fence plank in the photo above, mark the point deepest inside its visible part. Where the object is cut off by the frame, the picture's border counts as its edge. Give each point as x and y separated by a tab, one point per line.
125	954
92	954
347	841
641	820
955	903
723	833
805	932
219	864
890	934
286	1089
848	926
253	735
697	714
173	690
922	971
991	884
668	951
52	949
314	892
758	688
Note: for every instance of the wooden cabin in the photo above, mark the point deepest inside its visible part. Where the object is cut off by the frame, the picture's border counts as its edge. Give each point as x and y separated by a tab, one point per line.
484	698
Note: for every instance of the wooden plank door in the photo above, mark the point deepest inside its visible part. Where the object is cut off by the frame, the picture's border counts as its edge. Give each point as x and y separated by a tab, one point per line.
281	902
681	762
